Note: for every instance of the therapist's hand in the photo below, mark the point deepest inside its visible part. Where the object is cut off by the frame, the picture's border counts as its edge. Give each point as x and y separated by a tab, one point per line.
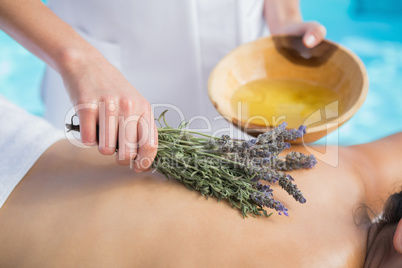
100	92
102	96
313	33
284	17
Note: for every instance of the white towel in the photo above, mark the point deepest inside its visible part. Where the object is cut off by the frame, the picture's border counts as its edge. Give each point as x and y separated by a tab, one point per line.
23	139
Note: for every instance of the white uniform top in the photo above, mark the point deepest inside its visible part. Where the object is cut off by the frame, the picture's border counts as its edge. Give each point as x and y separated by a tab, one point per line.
24	138
166	49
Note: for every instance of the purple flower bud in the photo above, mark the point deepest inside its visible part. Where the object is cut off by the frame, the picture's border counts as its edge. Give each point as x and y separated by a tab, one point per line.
281	209
303	129
246	144
312	161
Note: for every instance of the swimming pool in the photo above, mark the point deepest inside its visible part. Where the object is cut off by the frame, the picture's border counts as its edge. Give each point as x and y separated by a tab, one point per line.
375	37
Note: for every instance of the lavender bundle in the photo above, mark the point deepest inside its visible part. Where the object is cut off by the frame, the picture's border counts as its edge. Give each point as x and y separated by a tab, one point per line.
233	170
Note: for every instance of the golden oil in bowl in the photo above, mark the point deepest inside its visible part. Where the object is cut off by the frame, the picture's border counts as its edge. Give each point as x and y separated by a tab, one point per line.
267	102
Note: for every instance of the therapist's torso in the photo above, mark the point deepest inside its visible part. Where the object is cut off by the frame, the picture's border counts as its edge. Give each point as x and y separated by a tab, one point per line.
166	49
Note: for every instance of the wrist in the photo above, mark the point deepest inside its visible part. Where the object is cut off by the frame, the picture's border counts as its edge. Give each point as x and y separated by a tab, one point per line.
279	14
72	60
281	28
77	67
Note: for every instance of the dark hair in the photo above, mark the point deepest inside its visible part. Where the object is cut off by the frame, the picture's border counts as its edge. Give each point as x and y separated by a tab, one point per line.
391	215
392	212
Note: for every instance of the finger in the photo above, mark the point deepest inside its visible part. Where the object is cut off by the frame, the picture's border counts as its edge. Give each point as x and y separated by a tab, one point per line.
314	34
108	114
128	122
88	115
147	141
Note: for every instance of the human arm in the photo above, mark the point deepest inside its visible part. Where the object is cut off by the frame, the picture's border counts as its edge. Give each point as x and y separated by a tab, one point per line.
89	79
284	17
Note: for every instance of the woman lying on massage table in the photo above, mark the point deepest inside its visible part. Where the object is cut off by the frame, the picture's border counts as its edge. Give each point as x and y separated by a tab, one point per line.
77	208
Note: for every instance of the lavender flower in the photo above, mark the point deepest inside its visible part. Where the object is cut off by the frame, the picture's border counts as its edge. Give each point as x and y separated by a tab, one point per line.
233	170
296	160
286	183
264	199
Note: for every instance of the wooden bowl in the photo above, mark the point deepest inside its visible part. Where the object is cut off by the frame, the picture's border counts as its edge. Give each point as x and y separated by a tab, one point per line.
285	57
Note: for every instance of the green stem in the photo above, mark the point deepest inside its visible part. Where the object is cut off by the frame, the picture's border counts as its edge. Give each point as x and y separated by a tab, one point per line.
170	144
187	131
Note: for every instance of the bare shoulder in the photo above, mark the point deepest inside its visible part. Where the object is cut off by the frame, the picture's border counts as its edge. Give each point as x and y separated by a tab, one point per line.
380	167
364	175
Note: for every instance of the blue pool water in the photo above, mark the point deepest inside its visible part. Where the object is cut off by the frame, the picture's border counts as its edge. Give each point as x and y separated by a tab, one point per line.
373	32
20	75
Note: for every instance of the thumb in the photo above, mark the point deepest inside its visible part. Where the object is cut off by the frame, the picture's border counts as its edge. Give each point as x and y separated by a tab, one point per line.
314	35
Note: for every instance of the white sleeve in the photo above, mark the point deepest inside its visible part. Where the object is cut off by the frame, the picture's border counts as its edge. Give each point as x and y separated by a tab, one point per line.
23	139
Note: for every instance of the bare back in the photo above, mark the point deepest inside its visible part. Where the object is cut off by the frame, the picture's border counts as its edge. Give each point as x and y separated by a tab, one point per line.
77	208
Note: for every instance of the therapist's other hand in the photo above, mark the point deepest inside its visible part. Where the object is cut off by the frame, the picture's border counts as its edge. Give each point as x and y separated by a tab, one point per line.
102	96
284	17
313	32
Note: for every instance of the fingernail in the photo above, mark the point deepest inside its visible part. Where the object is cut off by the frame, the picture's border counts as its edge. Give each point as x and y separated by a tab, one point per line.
310	40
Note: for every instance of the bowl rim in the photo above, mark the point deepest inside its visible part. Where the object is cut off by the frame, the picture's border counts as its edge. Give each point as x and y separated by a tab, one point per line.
340	120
